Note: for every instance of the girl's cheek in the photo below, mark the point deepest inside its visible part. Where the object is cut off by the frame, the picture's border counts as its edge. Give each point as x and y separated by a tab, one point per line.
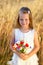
20	22
27	22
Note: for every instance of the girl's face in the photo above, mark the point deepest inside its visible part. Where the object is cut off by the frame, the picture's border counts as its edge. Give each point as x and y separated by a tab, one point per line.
24	20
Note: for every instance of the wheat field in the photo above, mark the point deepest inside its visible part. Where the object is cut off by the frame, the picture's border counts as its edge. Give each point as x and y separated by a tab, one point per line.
8	17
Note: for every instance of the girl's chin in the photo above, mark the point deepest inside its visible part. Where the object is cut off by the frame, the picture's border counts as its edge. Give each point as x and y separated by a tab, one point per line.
24	26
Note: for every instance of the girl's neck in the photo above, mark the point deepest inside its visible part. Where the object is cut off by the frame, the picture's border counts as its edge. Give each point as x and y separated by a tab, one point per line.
25	29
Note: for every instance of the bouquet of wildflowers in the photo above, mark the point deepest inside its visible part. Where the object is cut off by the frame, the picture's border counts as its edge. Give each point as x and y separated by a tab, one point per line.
22	47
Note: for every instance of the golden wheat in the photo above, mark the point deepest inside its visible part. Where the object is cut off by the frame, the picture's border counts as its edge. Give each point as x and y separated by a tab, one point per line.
8	16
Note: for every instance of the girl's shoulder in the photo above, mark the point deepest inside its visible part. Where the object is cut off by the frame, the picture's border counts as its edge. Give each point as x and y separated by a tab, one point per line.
34	31
14	30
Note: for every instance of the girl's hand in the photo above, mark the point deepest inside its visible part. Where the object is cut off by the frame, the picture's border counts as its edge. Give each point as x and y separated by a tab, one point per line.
13	49
24	56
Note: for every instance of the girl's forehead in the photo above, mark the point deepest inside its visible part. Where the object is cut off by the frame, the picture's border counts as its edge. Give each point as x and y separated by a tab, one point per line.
23	15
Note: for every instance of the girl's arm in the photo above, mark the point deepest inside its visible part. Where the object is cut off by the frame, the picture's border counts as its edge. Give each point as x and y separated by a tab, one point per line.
36	46
12	36
13	49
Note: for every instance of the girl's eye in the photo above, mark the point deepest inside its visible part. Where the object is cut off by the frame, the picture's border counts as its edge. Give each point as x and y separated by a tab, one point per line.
21	19
26	19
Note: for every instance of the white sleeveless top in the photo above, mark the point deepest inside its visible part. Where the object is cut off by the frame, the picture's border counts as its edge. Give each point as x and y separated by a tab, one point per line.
27	37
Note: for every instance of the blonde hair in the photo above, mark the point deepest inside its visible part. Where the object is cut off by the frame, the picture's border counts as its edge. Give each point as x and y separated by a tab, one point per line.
25	10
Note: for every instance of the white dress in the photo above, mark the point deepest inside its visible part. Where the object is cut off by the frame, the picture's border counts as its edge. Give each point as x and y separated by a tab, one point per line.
27	37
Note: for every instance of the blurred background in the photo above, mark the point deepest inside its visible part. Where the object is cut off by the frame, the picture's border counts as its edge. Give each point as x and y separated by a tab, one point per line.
8	17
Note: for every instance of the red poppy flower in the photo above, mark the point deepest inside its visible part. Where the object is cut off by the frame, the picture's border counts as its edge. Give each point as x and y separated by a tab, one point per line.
18	47
22	42
26	45
17	44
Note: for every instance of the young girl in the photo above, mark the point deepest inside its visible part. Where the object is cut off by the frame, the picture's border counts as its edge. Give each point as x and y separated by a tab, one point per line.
26	33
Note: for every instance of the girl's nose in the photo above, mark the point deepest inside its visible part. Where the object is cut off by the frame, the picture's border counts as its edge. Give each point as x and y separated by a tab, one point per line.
23	21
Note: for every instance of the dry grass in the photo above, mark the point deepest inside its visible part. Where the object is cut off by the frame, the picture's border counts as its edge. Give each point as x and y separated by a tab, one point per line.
8	16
